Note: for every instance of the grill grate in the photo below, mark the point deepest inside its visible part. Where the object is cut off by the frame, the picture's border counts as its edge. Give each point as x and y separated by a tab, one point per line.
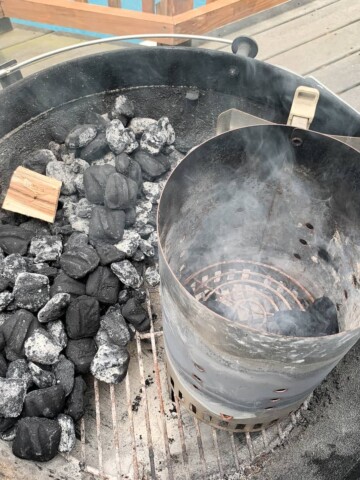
134	431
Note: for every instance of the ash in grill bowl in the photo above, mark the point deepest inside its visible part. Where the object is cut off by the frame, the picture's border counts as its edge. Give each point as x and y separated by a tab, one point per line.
71	293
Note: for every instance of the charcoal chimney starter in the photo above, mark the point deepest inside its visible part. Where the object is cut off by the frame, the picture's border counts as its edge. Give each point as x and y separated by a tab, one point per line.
255	225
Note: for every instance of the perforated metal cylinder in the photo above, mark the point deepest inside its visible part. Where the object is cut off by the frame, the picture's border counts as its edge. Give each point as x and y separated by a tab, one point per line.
228	370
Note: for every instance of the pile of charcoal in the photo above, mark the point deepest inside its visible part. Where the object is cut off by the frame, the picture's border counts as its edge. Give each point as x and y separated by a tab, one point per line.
72	293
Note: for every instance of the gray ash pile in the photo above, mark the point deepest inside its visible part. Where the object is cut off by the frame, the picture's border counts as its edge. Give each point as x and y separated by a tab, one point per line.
72	293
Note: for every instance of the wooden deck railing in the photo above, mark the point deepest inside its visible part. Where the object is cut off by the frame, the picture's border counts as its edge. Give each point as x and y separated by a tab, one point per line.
171	16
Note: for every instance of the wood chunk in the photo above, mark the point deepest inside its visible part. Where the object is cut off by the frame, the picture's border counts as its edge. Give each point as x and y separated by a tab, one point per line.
32	194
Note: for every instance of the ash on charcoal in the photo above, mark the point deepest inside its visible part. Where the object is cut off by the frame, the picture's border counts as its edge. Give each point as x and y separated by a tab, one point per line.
123	107
84	208
139	124
46	248
80	136
135	172
14	239
139	294
75	404
76	239
81	352
115	326
120	139
104	285
67	155
38	160
3	366
41	378
12	395
120	192
16	330
54	308
43	269
145	231
78	262
41	347
6	423
122	163
54	147
79	166
146	247
9	435
19	369
127	274
152	276
134	312
102	337
65	284
138	256
110	363
108	253
64	174
31	291
153	239
106	225
153	139
143	211
129	243
57	331
37	439
82	317
68	439
123	297
151	168
77	223
151	191
37	227
46	402
5	299
12	265
79	184
166	127
108	159
64	371
96	149
95	178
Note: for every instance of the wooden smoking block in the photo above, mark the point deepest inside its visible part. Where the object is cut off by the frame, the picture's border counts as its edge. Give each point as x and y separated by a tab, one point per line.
32	194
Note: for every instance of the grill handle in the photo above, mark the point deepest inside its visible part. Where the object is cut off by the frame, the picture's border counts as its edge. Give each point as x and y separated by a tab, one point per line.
245	46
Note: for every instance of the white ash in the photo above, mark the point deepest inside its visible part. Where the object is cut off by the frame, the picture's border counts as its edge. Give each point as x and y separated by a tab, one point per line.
5	299
12	395
54	308
67	156
46	248
114	136
168	130
110	363
41	378
12	265
64	174
41	347
19	369
79	166
54	147
152	191
78	224
57	331
153	239
102	337
81	136
67	439
152	276
143	210
31	291
147	248
139	124
127	274
123	107
153	139
84	208
129	243
79	184
108	159
145	231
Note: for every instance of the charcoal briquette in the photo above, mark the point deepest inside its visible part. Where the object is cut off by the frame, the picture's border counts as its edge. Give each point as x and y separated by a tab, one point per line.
5	299
76	239
151	168
75	404
37	227
64	371
97	148
3	366
12	395
57	331
108	253
82	317
7	423
84	208
146	247
120	192
127	274
152	276
140	124
95	178
68	439
38	160
80	136
16	330
110	363
62	172
104	285
124	296
143	326
153	139
135	172
5	282
46	248
43	269
12	265
42	378
20	369
78	262
133	312
324	313
81	352
45	402
37	439
129	243
115	326
168	129
130	217
31	291
106	226
14	239
138	256
145	231
54	308
65	284
123	107
122	163
40	347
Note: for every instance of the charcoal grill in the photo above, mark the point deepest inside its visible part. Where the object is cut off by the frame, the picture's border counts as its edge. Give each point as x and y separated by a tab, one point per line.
121	437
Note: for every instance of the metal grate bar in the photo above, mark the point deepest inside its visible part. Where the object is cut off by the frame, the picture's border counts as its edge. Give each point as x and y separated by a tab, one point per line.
250	446
98	427
132	431
200	445
147	416
264	437
233	448
280	432
218	458
182	438
159	389
115	430
82	440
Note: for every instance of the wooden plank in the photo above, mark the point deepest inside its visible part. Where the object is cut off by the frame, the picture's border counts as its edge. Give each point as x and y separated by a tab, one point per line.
323	51
19	36
302	30
180	6
88	17
341	75
148	6
32	194
216	14
352	97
